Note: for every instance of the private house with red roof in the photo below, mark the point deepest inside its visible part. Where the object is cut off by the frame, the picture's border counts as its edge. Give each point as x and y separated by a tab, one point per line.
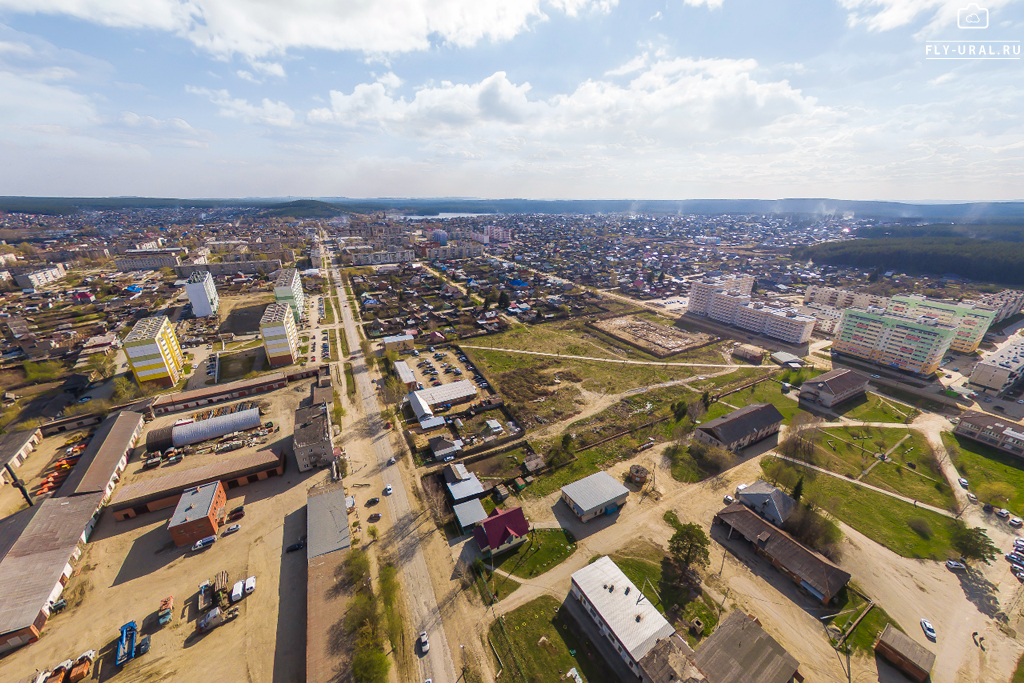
501	531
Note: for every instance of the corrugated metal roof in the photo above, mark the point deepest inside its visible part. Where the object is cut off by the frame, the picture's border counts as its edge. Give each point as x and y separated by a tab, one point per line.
99	460
37	559
469	513
161	487
195	503
217	390
633	619
595	491
327	526
447	393
909	648
203	430
740	651
404	372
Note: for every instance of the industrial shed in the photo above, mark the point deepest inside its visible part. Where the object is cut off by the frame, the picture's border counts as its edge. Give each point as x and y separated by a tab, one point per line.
164	492
105	457
905	653
204	430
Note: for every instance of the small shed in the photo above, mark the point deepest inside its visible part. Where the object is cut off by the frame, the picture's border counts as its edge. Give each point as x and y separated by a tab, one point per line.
906	654
638	474
787	360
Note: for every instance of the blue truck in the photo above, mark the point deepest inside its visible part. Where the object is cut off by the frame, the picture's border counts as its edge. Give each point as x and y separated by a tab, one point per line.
126	643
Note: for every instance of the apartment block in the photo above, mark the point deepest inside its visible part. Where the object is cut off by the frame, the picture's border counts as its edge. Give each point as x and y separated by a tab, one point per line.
202	294
1005	303
149	259
36	278
826	317
999	371
843	298
288	290
280	337
702	291
153	351
737	309
970	319
913	344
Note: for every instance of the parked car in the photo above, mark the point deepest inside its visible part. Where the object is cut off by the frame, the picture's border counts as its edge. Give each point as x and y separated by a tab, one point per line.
955	566
971	497
236	513
963	482
391	461
1016	522
372	501
295	546
987	507
204	543
388	490
232	529
728	500
1003	513
929	630
250	585
876	377
424	643
375	517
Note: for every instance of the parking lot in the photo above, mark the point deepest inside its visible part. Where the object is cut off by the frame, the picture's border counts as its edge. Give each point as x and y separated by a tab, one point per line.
443	366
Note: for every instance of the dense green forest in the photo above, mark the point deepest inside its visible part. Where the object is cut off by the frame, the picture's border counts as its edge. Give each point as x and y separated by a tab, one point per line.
1005	231
304	208
976	259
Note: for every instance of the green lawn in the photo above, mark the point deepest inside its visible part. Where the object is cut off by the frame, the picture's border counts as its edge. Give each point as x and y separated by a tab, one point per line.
535	642
350	380
667	590
863	638
544	551
875	408
1018	675
981	465
766	392
881	518
328	311
495	584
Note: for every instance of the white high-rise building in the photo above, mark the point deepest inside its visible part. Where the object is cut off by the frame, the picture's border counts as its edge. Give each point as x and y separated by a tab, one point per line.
702	291
202	294
288	290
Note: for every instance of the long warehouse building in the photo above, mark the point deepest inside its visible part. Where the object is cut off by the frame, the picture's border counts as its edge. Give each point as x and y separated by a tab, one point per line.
197	431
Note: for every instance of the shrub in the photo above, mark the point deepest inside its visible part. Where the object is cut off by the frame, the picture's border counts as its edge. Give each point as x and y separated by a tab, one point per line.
920	526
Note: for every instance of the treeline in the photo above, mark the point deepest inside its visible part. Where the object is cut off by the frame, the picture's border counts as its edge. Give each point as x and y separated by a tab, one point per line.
1000	232
987	261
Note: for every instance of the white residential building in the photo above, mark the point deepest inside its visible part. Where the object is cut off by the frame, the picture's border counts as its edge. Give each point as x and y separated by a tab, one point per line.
288	290
970	320
843	298
280	338
915	344
1005	303
702	291
202	294
37	278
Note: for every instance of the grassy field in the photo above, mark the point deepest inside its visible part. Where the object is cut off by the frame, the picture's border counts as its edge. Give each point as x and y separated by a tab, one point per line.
863	638
328	311
1018	675
235	366
884	519
545	550
535	641
875	408
350	380
766	392
495	584
981	465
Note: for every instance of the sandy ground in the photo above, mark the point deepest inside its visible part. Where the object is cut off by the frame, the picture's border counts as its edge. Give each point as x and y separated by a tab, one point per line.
128	567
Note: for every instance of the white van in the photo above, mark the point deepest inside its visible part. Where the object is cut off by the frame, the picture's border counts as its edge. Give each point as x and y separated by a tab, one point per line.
236	591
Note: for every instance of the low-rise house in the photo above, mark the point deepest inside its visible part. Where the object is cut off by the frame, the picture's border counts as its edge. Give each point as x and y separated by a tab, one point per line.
462	484
833	388
503	530
469	514
443	447
620	611
198	514
767	501
596	495
997	432
804	567
740	651
740	428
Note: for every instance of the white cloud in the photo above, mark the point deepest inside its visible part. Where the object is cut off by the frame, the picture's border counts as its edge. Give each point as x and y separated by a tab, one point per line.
655	16
633	65
257	28
268	68
885	15
712	4
134	120
389	80
268	112
246	76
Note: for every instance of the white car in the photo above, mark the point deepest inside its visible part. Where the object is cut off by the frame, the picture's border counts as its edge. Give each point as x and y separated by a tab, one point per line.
424	643
237	591
963	483
929	630
1003	513
387	490
250	585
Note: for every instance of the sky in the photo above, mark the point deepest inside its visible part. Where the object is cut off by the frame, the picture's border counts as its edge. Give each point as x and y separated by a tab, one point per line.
578	99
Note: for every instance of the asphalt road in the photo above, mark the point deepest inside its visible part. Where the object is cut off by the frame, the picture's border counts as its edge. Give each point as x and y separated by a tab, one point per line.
423	611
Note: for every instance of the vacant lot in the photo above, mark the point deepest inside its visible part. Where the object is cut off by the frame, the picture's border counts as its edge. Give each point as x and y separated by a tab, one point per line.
235	366
241	314
545	550
658	340
766	392
875	408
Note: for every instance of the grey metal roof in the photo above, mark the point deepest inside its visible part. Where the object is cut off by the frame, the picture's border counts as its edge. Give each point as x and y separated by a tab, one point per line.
35	562
162	487
469	513
743	422
195	503
762	493
327	528
469	487
203	430
446	393
632	618
12	443
597	490
99	460
739	651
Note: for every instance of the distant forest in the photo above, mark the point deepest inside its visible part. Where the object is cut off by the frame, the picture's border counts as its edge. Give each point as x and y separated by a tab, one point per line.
985	260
